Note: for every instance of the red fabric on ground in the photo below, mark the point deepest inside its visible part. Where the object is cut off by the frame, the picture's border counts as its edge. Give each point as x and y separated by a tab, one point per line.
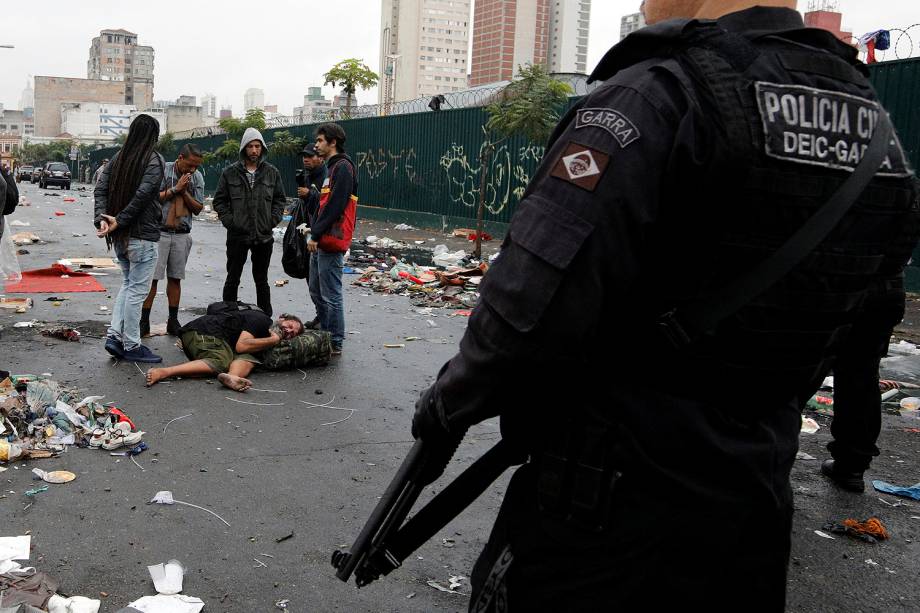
49	281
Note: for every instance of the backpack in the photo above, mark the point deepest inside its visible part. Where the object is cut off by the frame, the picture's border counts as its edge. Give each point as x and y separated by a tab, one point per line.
312	348
295	259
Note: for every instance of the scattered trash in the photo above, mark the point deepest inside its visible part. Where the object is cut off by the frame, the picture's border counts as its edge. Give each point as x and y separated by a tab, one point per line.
281	282
809	426
281	539
801	455
164	603
175	419
38	490
14	304
912	492
911	403
62	332
394	345
60	213
25	238
25	324
282	604
328	405
824	535
258	404
167	578
166	497
73	604
453	582
88	262
55	476
19	224
870	531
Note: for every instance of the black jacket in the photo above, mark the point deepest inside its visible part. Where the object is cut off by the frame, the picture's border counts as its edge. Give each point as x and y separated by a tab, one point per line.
9	196
141	217
343	182
315	180
249	214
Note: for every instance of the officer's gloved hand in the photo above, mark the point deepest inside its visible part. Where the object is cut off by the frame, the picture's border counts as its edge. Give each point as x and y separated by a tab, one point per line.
430	425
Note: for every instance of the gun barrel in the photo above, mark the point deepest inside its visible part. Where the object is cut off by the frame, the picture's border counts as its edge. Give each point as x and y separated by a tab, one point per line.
345	563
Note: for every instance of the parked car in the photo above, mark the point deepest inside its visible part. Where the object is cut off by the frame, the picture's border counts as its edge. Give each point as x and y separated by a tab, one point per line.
24	173
55	173
36	173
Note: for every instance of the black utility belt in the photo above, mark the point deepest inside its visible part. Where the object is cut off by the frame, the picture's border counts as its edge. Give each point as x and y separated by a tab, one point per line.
174	231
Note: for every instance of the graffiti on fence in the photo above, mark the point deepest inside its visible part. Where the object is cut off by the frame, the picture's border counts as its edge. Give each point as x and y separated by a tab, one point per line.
376	162
506	176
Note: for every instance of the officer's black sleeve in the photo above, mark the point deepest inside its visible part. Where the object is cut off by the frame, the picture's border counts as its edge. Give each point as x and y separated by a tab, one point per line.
573	247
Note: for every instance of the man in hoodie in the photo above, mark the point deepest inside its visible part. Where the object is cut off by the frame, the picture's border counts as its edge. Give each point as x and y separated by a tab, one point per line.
249	202
331	231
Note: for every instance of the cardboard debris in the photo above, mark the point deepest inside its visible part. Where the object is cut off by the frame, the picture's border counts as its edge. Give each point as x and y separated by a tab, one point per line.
14	304
25	238
463	232
88	262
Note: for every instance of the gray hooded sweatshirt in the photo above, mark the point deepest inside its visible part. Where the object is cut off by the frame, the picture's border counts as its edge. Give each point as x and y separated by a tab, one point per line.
250	205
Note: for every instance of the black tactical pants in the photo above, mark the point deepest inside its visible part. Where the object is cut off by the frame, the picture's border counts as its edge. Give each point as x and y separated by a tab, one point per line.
857	404
655	556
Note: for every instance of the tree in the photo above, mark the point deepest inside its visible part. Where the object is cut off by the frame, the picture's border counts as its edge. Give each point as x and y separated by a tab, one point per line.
528	106
349	75
285	144
166	146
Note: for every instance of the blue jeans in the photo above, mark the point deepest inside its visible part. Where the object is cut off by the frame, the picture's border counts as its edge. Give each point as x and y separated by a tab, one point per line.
137	260
326	293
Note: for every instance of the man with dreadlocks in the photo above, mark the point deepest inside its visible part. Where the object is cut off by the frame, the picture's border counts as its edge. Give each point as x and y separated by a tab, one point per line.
128	215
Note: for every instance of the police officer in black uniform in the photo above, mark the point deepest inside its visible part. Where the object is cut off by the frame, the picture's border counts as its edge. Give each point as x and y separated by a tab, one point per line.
659	437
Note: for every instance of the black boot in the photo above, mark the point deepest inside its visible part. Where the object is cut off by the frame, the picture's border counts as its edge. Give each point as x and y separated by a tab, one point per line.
851	481
312	324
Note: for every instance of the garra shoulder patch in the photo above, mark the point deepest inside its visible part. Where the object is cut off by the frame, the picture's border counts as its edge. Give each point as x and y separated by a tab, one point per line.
580	165
823	128
615	122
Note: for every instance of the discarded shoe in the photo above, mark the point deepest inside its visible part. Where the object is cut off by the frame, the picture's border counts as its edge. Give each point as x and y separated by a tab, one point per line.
851	481
120	435
98	437
114	347
172	327
141	354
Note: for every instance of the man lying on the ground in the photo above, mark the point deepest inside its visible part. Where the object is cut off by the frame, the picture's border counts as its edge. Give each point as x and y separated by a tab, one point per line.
224	343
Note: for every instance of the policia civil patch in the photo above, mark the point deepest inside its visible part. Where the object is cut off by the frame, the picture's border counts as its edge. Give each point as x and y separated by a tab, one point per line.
822	128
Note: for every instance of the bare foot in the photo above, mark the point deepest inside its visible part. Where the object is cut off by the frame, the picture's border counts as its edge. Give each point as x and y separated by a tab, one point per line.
237	384
155	375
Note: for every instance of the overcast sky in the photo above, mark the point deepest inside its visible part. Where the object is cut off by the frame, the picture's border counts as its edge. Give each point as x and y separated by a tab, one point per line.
280	46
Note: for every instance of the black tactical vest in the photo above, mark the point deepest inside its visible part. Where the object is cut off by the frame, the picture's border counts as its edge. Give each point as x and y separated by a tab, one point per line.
790	115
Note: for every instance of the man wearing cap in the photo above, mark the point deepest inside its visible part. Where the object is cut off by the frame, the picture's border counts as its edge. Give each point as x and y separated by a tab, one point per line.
314	175
250	202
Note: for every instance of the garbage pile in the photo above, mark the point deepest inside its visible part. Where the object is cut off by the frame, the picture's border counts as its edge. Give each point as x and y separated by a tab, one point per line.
39	418
455	286
27	590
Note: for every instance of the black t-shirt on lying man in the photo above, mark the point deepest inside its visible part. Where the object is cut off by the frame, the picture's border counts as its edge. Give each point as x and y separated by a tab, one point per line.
229	325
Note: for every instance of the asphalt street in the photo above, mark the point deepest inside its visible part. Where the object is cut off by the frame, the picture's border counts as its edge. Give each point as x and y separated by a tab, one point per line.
277	466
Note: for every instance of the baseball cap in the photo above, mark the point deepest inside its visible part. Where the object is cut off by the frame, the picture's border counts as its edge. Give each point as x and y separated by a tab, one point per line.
308	151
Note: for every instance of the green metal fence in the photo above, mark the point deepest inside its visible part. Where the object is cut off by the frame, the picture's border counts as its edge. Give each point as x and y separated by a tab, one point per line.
898	86
421	164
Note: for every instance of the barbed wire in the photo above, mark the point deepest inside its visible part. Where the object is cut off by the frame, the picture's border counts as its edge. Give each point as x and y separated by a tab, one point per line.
468	98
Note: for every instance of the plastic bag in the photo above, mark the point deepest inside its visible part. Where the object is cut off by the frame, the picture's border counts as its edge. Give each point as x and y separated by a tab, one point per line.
294	256
9	263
